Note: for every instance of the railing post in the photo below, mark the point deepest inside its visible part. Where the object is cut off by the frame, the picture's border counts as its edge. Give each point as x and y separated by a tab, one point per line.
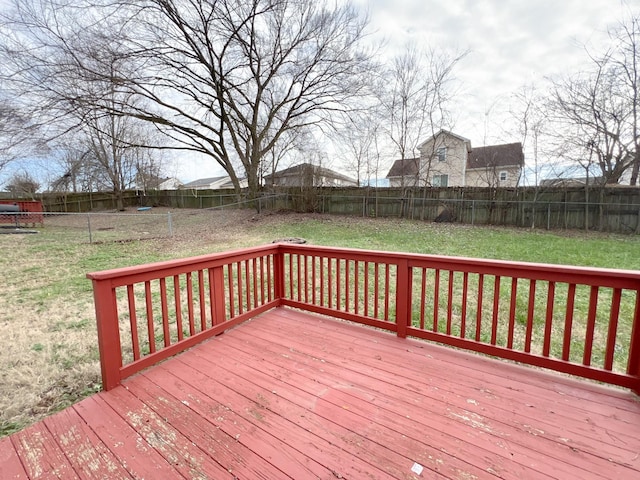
108	333
219	310
278	273
633	368
403	297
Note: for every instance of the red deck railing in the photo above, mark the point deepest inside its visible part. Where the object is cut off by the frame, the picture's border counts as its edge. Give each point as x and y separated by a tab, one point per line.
581	321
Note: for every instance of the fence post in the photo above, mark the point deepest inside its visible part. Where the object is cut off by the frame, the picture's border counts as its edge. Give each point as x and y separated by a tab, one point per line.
403	298
108	333
473	211
89	227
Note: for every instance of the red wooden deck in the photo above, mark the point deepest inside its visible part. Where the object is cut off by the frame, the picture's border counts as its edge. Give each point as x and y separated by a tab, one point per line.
293	395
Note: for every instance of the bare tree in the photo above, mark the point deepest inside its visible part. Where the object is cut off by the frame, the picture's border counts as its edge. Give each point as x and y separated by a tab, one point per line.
624	60
285	153
416	100
527	110
358	141
66	62
118	159
406	101
530	119
18	136
596	111
73	163
227	78
22	184
592	115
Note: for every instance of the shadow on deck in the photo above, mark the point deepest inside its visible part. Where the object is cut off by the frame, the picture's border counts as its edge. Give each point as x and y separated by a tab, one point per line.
294	395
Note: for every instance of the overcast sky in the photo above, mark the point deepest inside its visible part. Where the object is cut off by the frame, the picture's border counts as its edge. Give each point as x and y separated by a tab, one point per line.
510	43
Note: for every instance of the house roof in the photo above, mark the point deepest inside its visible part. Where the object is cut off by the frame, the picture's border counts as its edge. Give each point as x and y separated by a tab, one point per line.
203	182
572	182
303	168
406	167
448	133
506	155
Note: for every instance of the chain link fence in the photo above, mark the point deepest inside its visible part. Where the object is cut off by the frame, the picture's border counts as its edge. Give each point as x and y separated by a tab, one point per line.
136	223
113	227
173	212
94	227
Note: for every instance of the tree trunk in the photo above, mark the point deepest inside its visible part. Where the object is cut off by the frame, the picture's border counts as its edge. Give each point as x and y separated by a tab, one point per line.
635	169
119	200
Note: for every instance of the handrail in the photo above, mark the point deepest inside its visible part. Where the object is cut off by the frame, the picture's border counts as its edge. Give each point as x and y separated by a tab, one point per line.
578	320
170	306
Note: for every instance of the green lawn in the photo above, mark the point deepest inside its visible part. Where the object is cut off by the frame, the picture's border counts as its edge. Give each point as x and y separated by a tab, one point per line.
48	346
570	248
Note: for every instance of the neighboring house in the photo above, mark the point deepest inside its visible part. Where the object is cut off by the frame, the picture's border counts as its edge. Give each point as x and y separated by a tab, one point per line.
404	172
308	175
448	160
213	183
169	183
572	182
144	183
625	178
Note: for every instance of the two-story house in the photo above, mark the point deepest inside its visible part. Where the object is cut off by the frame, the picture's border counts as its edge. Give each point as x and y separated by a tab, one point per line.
448	160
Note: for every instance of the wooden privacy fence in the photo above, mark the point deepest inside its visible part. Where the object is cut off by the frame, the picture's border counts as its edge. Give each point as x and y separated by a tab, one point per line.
612	209
577	320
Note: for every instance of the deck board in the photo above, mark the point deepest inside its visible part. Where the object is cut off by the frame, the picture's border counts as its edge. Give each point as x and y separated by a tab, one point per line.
138	457
41	455
447	416
244	431
10	463
293	395
88	456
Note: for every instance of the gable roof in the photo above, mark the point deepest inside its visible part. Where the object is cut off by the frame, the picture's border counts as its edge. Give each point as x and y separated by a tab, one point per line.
449	134
407	167
305	169
506	155
572	181
203	182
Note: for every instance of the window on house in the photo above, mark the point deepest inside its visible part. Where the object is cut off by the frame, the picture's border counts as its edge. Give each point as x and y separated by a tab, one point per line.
503	176
441	153
440	181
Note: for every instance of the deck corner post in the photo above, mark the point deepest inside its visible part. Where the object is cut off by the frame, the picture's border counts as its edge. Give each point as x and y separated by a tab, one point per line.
108	333
403	298
633	368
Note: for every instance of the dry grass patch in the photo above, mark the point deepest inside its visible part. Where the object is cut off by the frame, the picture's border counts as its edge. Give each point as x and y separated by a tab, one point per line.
48	342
